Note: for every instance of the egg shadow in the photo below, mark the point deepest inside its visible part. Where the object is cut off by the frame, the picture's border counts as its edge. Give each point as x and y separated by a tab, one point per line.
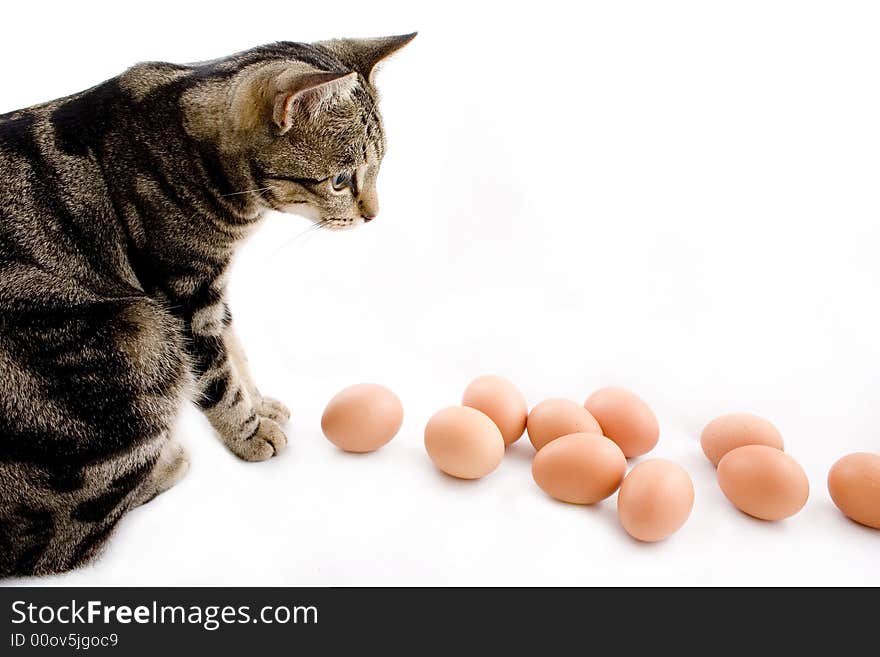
338	454
866	530
607	510
447	480
520	451
452	480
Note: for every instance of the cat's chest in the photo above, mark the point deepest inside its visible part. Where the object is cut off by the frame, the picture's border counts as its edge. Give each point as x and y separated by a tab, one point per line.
186	282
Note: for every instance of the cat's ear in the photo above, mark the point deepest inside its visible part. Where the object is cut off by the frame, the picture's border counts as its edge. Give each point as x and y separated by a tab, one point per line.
362	55
308	93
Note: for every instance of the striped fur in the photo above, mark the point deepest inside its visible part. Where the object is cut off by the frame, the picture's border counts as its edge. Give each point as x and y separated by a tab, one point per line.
120	210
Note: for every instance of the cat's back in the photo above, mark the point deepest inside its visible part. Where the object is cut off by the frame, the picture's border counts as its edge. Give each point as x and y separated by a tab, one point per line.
57	221
55	187
17	148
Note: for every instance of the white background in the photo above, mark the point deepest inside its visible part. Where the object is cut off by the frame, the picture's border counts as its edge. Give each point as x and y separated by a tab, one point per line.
679	197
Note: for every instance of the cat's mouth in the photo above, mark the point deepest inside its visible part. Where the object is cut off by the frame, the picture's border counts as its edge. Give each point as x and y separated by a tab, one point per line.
340	223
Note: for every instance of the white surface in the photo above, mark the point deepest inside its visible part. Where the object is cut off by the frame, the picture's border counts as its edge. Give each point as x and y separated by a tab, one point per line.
680	198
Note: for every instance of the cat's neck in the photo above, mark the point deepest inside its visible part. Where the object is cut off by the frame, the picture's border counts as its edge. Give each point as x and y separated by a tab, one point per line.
182	206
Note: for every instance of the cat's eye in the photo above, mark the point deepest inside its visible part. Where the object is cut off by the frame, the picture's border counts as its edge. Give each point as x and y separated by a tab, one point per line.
341	181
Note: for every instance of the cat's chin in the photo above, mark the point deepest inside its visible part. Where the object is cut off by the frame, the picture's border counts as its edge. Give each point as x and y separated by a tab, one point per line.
339	225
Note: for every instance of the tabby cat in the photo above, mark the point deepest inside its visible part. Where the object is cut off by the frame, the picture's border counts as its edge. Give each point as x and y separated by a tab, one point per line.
120	209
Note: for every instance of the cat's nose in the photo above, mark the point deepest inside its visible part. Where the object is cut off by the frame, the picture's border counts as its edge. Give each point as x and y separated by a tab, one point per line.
369	208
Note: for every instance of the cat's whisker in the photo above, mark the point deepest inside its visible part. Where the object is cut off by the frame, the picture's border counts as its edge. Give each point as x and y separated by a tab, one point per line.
259	191
311	229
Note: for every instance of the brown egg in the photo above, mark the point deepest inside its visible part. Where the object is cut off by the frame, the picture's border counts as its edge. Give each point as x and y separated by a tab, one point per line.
581	468
500	400
558	417
463	442
728	432
626	419
854	484
655	500
362	417
763	482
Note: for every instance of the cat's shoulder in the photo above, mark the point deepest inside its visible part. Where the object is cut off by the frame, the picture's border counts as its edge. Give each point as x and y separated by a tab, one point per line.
145	78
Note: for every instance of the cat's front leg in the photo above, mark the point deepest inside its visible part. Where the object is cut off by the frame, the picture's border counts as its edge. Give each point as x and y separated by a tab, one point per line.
267	406
228	397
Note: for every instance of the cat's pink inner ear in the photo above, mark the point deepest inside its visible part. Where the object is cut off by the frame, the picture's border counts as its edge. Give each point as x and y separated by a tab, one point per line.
281	113
307	87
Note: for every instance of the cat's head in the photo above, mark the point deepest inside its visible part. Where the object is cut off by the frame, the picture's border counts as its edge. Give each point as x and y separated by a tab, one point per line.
308	128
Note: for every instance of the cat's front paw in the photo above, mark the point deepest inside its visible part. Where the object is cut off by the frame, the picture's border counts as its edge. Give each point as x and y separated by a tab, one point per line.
268	440
274	410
